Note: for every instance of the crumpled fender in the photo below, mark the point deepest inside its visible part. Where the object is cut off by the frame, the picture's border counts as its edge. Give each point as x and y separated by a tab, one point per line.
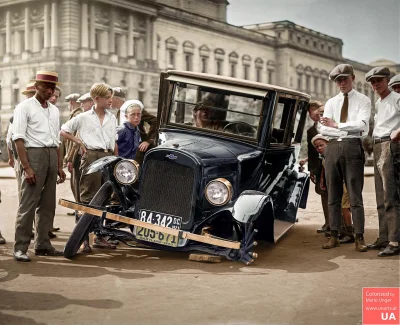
99	164
249	205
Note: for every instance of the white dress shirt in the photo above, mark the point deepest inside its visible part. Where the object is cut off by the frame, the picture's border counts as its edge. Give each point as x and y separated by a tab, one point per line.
387	117
93	134
359	112
37	126
9	136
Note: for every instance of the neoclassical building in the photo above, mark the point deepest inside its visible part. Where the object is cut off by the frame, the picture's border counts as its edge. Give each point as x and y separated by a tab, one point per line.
128	42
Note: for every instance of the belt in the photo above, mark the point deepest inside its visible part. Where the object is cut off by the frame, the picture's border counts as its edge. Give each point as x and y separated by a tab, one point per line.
101	150
381	139
346	140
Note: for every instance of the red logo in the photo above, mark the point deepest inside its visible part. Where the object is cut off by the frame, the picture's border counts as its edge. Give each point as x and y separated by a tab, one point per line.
381	306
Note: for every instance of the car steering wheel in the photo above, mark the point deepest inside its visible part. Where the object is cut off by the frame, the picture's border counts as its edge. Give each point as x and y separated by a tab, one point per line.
233	127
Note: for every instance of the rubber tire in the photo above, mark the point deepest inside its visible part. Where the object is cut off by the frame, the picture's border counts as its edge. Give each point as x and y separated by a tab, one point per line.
82	228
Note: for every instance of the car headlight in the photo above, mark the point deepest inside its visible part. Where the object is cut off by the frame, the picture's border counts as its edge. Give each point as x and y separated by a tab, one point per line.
126	171
219	191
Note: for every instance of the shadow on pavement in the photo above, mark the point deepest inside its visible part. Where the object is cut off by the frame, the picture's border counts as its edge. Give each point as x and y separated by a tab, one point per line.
11	319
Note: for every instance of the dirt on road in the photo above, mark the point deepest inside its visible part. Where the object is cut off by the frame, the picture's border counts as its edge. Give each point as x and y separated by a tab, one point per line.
292	282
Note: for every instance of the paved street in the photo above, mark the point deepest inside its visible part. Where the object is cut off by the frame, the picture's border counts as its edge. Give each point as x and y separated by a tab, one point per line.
292	282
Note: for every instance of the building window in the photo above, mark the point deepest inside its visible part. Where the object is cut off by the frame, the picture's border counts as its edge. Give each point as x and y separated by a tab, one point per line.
219	67
246	72
189	62
316	85
300	83
171	59
322	47
308	79
271	69
258	74
233	70
204	63
307	41
279	35
329	49
291	36
299	39
315	44
15	98
270	77
323	87
259	63
246	61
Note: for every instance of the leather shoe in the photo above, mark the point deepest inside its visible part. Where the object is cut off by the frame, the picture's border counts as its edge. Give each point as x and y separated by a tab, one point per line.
21	257
390	250
2	240
346	239
48	252
51	235
323	229
55	229
360	245
378	244
332	242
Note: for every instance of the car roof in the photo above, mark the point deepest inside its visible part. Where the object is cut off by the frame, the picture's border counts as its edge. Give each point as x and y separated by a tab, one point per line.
236	82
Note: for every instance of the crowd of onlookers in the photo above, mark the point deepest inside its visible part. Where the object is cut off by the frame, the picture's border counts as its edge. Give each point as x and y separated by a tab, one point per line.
336	159
39	148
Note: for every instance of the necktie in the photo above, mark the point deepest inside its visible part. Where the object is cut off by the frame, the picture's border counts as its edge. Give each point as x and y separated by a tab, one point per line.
345	109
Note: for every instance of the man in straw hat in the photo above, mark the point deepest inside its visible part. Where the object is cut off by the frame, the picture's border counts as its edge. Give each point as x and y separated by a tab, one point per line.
97	131
387	119
35	132
345	122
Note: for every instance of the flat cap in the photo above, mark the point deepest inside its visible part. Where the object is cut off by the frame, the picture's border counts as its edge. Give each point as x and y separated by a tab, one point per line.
395	80
73	97
319	137
342	70
84	97
119	92
377	72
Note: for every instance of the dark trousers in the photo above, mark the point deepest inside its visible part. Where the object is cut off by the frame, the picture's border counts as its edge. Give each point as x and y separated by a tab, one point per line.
395	151
39	198
387	200
344	162
324	200
75	177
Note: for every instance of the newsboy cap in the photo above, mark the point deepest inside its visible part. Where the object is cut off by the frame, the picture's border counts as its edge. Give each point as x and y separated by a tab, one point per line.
119	92
377	72
84	97
395	80
72	97
319	137
342	70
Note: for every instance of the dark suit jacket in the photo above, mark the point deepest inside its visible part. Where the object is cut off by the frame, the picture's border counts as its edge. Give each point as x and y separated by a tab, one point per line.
314	163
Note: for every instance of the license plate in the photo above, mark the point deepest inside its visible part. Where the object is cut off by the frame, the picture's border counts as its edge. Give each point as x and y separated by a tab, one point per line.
159	219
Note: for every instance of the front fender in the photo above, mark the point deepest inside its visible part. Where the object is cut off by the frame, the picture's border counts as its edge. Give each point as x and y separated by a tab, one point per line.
250	205
99	164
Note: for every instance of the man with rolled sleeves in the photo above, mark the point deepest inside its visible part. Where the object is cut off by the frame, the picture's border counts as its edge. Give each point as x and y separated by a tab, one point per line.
394	83
73	156
345	122
35	132
97	131
387	119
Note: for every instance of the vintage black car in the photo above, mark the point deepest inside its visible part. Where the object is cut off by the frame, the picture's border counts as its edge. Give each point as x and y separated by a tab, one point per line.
224	171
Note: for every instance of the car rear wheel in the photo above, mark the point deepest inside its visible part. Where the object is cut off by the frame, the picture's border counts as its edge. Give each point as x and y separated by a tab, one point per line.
83	227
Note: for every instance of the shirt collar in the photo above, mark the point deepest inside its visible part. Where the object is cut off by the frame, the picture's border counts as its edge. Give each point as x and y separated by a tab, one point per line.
350	93
38	103
129	126
107	112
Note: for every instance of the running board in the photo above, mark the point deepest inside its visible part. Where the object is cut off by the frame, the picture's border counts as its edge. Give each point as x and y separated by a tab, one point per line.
280	228
174	232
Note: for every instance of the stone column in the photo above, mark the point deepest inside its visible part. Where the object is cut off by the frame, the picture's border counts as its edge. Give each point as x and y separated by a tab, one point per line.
92	27
17	43
130	35
27	30
122	46
154	41
35	40
8	32
111	31
46	26
149	36
54	25
84	26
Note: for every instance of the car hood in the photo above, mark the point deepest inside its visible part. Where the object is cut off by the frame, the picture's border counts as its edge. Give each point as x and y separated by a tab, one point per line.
209	150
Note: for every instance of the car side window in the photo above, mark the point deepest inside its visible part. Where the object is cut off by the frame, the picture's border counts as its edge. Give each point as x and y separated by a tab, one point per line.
281	119
301	116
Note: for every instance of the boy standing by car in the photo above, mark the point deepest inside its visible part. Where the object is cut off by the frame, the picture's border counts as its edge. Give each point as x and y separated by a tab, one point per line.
97	129
128	134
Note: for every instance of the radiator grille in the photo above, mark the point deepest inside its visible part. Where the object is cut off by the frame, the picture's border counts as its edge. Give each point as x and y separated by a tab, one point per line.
168	188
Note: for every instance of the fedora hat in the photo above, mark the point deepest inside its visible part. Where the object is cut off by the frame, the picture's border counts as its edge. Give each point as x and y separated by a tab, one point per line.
30	88
46	76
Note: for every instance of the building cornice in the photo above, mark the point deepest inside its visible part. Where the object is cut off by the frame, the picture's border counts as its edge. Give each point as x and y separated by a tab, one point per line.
296	47
204	22
358	65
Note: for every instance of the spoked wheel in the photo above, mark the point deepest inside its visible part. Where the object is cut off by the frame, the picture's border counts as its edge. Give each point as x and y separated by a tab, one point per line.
83	227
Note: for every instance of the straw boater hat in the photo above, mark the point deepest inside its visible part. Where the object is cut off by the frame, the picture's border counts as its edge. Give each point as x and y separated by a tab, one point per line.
46	76
30	88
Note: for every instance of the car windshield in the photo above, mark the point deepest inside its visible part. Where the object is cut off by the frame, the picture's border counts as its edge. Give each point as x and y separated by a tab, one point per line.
214	109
